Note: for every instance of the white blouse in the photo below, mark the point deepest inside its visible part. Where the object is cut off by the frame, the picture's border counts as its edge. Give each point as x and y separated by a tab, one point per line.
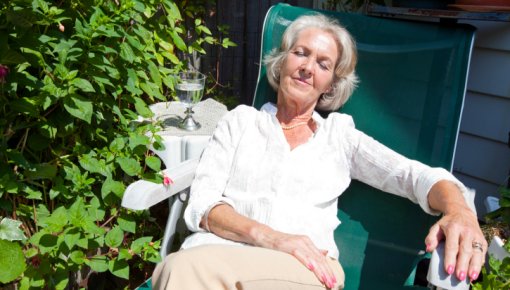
249	165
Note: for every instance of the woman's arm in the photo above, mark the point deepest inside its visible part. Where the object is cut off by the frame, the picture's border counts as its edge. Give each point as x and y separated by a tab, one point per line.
459	228
436	190
225	222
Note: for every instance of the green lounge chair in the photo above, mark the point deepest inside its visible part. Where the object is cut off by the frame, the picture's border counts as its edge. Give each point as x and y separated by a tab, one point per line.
413	81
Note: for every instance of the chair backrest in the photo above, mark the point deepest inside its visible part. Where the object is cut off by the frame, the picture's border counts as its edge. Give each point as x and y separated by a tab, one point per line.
413	80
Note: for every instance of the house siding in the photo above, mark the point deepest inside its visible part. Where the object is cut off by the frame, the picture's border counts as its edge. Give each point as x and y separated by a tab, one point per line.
482	160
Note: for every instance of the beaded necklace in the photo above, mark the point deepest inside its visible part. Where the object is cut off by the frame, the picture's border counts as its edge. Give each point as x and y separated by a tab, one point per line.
293	126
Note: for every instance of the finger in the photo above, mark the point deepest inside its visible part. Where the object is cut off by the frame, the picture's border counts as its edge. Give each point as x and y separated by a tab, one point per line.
464	256
434	237
315	260
312	265
327	277
326	273
477	261
318	264
452	243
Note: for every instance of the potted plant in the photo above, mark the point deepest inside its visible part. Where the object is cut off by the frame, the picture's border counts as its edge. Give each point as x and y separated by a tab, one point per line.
496	274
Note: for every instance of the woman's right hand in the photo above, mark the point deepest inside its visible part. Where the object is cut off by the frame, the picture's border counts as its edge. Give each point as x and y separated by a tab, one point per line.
304	250
225	222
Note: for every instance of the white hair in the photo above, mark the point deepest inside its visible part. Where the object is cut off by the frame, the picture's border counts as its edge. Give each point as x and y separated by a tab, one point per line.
344	79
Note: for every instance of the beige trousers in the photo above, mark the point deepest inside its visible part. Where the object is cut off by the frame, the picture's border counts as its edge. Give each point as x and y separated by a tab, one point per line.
221	267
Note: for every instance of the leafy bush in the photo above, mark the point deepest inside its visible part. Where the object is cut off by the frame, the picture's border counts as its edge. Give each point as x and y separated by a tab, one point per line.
74	75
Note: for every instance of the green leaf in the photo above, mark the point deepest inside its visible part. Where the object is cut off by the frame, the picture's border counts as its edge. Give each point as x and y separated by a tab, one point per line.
77	213
173	10
61	278
31	193
133	82
93	165
138	244
178	41
129	165
112	186
227	43
12	261
31	252
71	237
154	73
119	268
91	228
142	108
126	52
77	257
153	162
47	243
56	221
114	237
79	107
117	144
96	209
98	263
10	231
136	140
124	254
83	85
127	223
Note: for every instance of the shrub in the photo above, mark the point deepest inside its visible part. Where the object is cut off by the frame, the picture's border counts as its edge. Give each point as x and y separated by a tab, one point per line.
74	75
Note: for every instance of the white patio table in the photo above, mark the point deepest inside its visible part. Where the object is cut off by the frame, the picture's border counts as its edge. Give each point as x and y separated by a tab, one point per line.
181	145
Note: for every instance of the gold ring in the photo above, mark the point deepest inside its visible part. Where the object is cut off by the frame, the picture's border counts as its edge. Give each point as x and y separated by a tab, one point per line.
477	245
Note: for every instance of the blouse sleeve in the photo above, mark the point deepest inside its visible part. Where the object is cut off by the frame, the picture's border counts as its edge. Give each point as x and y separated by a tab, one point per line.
377	165
213	171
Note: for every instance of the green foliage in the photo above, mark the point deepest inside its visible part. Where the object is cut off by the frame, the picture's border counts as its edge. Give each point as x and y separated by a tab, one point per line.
75	77
12	261
496	277
497	273
10	231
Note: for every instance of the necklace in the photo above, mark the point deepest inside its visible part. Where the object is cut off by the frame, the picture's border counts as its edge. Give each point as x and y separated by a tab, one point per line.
293	126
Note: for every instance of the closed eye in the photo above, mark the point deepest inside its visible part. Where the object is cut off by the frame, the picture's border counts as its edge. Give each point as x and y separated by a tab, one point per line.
325	65
299	52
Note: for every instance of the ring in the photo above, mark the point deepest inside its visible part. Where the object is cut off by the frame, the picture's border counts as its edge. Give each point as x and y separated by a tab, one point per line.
477	245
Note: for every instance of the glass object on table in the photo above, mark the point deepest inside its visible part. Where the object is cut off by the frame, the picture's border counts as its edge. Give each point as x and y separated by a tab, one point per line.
189	87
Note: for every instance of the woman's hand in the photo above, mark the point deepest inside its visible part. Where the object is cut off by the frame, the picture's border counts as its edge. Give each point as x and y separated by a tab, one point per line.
225	222
465	245
304	250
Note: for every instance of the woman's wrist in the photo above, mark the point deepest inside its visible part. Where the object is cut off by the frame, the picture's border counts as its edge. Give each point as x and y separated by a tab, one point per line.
260	235
446	197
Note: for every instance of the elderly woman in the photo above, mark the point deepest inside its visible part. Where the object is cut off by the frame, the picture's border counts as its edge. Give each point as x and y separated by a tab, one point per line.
264	200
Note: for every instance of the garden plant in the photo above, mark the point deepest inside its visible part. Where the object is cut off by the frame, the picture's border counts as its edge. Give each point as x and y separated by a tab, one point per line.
74	78
496	274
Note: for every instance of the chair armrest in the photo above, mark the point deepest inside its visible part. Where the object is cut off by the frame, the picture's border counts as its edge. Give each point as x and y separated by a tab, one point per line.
143	194
438	277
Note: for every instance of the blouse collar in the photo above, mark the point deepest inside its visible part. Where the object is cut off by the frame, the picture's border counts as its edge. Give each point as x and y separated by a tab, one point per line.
271	109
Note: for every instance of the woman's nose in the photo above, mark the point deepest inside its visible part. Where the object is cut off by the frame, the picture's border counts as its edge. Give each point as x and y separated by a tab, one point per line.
307	68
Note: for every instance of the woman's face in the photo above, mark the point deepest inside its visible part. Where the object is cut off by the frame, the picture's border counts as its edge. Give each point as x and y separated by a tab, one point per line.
308	70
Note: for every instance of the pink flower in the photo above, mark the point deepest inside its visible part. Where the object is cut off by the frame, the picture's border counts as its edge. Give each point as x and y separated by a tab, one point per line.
167	181
4	71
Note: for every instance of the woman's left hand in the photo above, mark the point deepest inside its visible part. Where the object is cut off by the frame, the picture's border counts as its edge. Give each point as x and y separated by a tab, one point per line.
465	245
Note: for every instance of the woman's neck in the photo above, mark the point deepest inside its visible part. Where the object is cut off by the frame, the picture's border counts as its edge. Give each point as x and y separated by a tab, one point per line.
290	114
